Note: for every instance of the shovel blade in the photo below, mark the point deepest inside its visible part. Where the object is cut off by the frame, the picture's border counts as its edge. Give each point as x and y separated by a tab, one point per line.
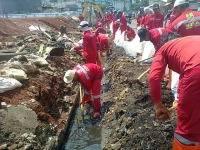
57	52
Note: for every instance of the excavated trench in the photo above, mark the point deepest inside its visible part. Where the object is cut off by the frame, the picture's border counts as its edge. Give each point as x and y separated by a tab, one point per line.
128	115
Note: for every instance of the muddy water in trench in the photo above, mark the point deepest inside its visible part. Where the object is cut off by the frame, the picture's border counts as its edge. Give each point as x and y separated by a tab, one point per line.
84	136
87	135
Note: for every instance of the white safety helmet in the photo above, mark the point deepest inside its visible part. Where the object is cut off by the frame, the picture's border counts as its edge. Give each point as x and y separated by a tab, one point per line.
180	2
84	24
69	76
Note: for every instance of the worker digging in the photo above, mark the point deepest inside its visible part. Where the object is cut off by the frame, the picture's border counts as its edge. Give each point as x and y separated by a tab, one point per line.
125	75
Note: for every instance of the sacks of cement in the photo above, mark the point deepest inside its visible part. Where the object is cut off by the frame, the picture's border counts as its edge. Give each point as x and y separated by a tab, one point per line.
17	74
7	84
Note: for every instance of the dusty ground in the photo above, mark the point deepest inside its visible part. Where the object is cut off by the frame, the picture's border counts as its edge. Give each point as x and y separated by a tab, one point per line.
128	113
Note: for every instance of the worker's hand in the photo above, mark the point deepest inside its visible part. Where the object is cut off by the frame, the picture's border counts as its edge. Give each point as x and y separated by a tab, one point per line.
72	49
162	113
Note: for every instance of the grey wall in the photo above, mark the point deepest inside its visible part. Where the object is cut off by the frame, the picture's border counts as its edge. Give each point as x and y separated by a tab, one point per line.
19	6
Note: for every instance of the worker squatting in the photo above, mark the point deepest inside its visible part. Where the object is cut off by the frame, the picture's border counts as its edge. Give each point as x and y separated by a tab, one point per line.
176	39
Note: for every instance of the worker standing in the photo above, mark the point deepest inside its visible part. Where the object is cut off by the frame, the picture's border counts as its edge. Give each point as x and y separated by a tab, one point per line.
123	21
156	19
182	56
153	35
89	76
115	27
89	44
188	23
81	18
172	15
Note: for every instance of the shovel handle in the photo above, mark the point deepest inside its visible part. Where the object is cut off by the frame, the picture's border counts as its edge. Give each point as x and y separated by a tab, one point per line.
161	117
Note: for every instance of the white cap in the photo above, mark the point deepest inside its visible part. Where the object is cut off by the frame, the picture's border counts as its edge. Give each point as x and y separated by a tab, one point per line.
69	76
84	24
180	2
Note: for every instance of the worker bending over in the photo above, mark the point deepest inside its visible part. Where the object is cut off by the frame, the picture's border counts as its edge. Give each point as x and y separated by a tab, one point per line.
89	76
182	56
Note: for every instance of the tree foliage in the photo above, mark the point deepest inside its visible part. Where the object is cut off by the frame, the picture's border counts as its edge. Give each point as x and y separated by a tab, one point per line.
139	3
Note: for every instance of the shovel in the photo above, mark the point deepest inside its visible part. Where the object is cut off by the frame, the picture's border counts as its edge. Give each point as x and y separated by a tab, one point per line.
138	79
81	117
170	109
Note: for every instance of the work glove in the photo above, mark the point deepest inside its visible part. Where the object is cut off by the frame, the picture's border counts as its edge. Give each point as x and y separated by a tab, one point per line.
72	49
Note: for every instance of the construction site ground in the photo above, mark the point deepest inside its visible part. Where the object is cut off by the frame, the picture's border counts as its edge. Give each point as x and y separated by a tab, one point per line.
128	115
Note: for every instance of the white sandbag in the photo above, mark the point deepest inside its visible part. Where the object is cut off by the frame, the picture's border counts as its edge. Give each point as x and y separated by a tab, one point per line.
120	39
27	67
7	84
134	47
148	51
111	27
37	60
36	28
128	47
174	84
17	74
117	36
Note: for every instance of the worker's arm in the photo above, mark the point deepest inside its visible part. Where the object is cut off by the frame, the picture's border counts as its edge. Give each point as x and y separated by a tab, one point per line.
85	43
156	72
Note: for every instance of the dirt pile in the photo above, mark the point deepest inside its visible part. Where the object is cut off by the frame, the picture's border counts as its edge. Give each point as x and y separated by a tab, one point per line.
130	123
44	90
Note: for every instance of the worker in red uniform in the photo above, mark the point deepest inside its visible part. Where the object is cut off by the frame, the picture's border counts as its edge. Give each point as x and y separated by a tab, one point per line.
115	27
143	19
102	39
81	18
123	22
89	44
107	19
130	33
173	15
182	56
153	35
89	76
188	23
99	30
156	19
148	12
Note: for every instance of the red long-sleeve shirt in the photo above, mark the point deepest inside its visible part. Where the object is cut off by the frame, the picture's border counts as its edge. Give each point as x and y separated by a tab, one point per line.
180	54
155	21
123	23
89	45
188	23
87	73
155	36
115	27
172	17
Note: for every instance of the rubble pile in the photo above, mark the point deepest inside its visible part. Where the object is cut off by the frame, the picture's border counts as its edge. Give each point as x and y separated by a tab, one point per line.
42	90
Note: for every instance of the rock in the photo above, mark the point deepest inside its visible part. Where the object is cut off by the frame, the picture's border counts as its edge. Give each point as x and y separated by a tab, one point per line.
116	146
13	147
28	147
25	135
20	144
3	105
3	147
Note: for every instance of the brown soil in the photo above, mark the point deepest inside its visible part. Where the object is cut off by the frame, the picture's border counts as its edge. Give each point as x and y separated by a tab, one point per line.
128	119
